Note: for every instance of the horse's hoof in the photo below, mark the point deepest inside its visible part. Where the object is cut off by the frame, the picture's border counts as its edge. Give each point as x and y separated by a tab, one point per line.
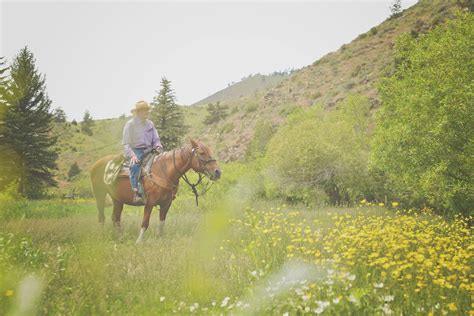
140	237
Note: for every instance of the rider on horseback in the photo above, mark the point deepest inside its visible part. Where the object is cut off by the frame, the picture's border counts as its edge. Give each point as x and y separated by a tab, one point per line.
139	134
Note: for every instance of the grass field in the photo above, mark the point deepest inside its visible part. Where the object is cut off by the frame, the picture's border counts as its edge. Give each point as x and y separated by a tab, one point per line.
231	258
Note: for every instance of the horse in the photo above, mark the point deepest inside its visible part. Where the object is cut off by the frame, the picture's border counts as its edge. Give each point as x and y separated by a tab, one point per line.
160	186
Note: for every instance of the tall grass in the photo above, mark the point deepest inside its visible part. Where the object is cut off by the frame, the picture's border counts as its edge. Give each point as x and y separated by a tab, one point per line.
234	254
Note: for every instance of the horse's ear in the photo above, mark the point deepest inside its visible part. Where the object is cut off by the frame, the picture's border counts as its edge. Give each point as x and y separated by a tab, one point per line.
194	143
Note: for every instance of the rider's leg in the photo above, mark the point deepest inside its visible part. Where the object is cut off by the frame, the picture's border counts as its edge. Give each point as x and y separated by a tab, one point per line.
135	169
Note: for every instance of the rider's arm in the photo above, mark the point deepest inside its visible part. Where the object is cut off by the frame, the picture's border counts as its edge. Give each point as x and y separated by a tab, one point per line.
126	141
155	142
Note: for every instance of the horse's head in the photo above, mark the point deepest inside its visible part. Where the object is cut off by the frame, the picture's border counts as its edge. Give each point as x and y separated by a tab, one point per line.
203	161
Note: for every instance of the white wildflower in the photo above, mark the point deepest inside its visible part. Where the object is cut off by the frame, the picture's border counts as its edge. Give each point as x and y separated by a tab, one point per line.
378	285
225	301
299	292
351	277
193	307
319	310
386	310
388	298
162	298
353	299
335	300
329	282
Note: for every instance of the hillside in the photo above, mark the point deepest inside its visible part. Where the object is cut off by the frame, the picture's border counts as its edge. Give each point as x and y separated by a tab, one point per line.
248	86
354	68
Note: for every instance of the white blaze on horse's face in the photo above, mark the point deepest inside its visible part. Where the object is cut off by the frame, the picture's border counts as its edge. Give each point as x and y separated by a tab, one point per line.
203	161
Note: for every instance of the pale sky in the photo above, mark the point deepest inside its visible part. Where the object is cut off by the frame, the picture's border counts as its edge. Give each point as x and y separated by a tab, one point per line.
105	55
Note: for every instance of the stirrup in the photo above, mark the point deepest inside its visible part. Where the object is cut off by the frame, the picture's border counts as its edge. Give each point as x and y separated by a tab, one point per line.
137	198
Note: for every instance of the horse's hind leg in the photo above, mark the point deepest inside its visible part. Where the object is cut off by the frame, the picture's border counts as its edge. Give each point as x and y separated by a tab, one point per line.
117	213
100	200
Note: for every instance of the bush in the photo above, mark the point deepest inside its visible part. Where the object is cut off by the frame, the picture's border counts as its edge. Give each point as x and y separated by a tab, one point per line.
74	170
11	202
262	135
423	143
320	156
251	107
227	127
215	113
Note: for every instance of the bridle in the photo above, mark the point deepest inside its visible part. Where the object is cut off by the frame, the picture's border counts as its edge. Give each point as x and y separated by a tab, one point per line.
173	187
202	164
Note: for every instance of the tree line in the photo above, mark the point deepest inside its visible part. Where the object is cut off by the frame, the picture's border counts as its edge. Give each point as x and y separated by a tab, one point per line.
28	146
421	151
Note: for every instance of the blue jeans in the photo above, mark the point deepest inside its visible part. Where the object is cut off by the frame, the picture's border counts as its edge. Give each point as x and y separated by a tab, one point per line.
135	168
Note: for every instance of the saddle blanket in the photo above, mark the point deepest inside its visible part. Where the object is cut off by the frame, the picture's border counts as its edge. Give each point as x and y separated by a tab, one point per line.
119	166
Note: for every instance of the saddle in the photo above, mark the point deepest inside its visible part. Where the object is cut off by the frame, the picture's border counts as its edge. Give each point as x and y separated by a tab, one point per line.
119	166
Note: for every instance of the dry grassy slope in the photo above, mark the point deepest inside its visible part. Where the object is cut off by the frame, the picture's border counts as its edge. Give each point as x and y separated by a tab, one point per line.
246	87
75	146
354	68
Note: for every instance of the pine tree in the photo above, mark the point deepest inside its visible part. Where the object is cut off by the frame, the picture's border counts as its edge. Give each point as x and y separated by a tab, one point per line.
74	170
3	84
396	8
215	113
168	117
27	131
59	115
7	161
3	92
87	123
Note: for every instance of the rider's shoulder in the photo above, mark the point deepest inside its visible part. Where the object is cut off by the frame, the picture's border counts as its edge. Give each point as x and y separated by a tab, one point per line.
150	123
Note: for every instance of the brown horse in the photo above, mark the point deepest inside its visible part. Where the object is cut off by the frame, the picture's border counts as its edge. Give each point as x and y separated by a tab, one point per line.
160	185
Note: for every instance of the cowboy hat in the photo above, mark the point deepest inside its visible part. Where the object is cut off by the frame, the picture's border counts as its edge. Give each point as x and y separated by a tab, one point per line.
140	105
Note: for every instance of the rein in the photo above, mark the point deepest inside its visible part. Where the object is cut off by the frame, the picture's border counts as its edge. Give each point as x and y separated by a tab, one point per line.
185	177
167	184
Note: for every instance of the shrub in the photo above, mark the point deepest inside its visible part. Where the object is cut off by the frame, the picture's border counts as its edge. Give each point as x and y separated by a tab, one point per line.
11	202
424	138
228	127
251	107
320	156
215	113
262	135
373	31
74	170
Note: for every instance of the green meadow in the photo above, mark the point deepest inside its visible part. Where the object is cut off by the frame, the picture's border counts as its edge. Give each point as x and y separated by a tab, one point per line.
234	254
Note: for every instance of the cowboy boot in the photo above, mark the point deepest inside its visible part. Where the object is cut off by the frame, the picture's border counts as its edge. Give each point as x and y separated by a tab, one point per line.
137	198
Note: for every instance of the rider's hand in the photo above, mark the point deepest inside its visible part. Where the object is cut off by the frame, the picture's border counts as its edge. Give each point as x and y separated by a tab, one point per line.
134	160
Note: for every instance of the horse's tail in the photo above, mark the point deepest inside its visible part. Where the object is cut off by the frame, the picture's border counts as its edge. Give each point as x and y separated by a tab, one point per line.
98	185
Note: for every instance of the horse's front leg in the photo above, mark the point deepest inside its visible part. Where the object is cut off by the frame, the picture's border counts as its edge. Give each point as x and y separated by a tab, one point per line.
163	211
146	222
